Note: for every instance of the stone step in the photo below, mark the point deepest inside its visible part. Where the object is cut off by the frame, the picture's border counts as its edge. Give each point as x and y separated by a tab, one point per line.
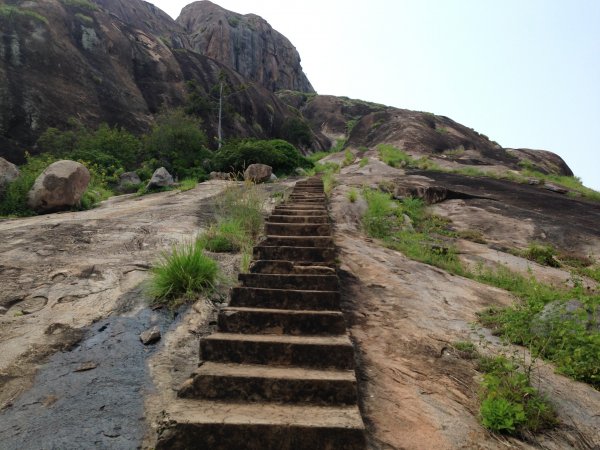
277	281
282	218
298	241
279	350
297	229
305	199
299	212
193	424
289	267
301	205
254	383
285	299
281	321
293	253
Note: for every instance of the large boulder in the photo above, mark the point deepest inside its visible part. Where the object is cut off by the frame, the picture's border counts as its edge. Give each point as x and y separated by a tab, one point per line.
160	178
59	187
258	173
8	173
557	312
128	182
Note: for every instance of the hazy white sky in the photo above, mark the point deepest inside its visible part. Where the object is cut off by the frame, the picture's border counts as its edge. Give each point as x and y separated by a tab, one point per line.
526	73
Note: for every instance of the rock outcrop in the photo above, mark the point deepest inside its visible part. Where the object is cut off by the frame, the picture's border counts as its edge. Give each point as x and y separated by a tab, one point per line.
247	43
160	178
8	173
59	187
258	173
120	63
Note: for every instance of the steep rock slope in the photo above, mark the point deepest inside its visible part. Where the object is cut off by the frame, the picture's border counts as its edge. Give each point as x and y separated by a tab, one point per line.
247	43
63	60
449	144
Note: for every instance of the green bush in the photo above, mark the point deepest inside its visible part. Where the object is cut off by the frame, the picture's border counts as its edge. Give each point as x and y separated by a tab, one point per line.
238	154
178	143
14	201
182	274
110	148
296	131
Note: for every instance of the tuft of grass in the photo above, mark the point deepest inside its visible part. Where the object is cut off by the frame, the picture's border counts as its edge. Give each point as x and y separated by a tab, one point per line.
348	158
316	156
393	156
509	404
187	184
352	195
182	274
339	146
228	235
544	254
363	162
464	346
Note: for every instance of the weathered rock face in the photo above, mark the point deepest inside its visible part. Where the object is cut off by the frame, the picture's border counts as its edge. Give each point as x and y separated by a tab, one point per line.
247	43
258	173
160	178
111	65
59	187
8	173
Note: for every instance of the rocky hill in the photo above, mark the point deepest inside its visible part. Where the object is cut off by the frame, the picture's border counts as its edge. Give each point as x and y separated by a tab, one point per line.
121	62
247	43
112	61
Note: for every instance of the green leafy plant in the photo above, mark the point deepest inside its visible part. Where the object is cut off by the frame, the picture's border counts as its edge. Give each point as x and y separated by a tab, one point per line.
182	274
509	404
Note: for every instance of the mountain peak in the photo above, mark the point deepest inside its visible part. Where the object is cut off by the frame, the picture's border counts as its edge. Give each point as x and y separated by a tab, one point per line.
246	43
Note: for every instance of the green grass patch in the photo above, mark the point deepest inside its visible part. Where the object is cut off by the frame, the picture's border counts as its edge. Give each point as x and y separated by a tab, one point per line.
182	274
363	162
509	404
405	226
187	184
571	341
348	158
395	157
544	254
316	156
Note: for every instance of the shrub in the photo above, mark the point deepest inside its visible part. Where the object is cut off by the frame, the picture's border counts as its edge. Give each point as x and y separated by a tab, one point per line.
182	274
238	154
109	148
178	143
14	201
296	131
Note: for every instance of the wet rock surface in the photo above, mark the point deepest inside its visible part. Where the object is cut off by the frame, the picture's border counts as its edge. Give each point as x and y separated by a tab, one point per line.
91	397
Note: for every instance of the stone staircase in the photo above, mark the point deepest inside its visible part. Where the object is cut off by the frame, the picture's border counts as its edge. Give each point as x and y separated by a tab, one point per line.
279	373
